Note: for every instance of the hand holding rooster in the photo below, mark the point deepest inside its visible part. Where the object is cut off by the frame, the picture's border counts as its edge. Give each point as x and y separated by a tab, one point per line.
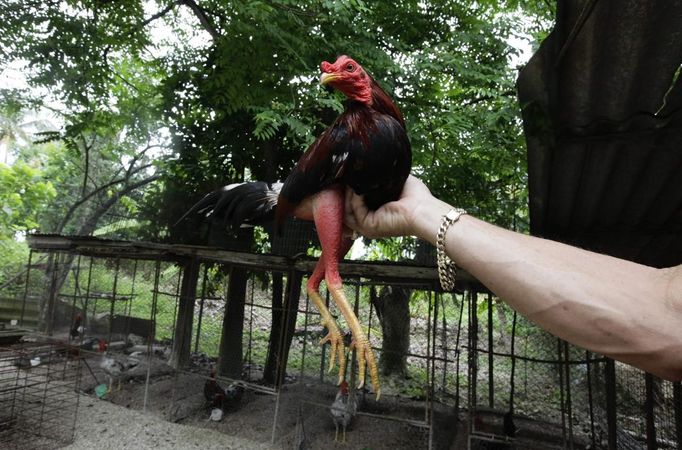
588	299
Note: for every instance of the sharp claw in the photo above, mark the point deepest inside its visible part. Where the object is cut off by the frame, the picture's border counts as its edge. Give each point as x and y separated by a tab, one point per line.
342	364
332	355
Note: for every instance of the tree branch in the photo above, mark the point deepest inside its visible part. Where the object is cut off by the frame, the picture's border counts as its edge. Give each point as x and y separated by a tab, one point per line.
203	18
90	224
91	194
159	14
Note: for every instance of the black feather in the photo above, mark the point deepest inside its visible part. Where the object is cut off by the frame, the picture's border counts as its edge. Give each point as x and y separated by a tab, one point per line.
252	202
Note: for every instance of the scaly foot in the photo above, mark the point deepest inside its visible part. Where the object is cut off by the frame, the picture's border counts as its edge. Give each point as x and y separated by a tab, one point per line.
364	352
334	336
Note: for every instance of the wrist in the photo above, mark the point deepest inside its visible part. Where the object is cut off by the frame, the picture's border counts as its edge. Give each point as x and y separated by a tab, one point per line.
426	218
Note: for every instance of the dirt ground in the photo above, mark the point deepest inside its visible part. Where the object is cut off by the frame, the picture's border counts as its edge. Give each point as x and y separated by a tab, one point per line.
103	425
177	416
178	398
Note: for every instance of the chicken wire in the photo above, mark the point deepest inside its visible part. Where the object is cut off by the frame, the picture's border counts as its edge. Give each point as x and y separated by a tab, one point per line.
38	395
560	396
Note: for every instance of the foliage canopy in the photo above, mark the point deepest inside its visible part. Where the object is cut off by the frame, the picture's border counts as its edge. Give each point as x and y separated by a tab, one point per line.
178	97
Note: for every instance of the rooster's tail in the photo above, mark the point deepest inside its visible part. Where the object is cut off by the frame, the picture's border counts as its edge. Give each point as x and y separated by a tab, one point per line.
252	203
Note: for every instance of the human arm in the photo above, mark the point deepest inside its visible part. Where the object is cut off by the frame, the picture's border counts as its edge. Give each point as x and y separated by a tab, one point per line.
624	310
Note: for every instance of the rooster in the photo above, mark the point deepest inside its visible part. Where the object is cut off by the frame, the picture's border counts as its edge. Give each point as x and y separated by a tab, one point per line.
343	410
77	328
366	149
213	392
222	398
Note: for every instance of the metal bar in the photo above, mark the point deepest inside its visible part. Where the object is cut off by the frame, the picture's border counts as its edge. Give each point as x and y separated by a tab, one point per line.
491	379
474	354
569	404
201	308
305	341
562	405
432	378
175	310
87	294
28	274
677	407
249	352
127	310
611	419
428	362
152	332
113	299
52	297
324	347
590	398
443	341
512	376
353	359
649	412
457	351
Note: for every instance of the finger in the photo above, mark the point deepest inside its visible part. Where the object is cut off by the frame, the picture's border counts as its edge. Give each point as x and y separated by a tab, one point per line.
360	213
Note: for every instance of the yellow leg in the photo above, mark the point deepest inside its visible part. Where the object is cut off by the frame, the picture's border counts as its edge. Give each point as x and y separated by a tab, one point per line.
360	343
334	336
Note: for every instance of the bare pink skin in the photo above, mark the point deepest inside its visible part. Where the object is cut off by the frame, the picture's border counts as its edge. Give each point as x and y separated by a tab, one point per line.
349	78
327	209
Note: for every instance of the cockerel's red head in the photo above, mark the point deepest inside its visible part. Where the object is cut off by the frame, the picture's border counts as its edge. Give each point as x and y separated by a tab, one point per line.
349	77
343	387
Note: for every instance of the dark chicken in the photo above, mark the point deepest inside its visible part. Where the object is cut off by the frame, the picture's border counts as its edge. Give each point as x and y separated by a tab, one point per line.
366	149
224	398
213	392
77	328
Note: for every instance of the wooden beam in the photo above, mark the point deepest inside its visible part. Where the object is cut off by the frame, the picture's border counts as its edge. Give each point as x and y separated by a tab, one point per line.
398	273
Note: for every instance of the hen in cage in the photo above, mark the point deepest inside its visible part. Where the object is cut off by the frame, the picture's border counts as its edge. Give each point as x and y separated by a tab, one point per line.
115	368
343	410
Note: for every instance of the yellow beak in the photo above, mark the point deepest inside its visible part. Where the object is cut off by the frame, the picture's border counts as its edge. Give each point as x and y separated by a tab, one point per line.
326	78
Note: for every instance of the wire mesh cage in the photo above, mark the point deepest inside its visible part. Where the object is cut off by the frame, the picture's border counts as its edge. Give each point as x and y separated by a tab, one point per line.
190	309
531	390
38	395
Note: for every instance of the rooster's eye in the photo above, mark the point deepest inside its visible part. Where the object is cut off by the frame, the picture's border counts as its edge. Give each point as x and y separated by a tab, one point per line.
350	67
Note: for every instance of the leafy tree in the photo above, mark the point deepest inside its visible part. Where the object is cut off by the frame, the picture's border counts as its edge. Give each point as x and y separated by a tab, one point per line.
24	192
244	103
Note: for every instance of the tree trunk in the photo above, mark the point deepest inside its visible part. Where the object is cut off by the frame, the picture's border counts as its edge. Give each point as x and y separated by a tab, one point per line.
291	299
182	335
231	354
393	309
269	372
